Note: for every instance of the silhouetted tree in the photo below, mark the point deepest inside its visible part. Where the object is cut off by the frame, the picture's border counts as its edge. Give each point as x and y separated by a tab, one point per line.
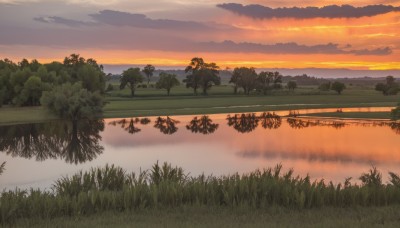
131	78
338	87
292	85
167	81
148	70
245	78
201	75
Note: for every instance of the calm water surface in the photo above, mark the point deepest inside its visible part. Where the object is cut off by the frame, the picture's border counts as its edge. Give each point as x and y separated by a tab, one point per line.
38	154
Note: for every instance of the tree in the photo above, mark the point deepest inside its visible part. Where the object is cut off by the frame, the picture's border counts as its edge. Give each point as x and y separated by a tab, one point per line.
167	81
390	88
292	85
31	92
148	70
73	102
201	75
277	80
245	78
131	78
338	87
264	79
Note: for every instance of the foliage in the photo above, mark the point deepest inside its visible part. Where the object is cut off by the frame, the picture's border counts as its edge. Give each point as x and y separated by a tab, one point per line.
244	77
201	75
338	87
73	102
167	81
164	186
131	78
390	88
292	85
23	84
148	70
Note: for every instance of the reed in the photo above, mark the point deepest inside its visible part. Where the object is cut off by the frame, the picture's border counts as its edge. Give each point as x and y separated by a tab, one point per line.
163	186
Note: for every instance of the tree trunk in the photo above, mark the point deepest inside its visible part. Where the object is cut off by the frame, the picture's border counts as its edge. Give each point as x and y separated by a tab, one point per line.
168	90
133	92
204	91
235	90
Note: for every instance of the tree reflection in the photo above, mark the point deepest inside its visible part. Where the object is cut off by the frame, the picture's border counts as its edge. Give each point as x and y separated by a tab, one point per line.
300	124
127	125
270	120
395	126
75	142
166	125
203	125
243	123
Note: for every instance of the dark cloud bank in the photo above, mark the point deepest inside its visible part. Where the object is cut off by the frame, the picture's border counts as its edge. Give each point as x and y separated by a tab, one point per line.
118	18
332	11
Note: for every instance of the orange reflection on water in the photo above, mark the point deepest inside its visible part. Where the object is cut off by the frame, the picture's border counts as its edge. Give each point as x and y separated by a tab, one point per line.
322	150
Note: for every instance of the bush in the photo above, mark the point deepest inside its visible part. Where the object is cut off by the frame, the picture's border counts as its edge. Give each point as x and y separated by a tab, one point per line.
325	86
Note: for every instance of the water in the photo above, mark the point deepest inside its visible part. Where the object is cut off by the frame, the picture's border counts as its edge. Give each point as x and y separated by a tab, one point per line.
38	154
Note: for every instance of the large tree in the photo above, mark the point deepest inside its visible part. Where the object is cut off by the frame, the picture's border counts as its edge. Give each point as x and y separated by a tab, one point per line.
73	102
245	78
148	70
130	78
264	79
201	75
167	81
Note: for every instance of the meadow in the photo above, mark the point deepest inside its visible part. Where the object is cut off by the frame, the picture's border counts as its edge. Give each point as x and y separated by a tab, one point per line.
154	102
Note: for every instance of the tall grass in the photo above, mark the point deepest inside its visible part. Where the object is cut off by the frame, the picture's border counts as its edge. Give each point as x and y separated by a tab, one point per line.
163	186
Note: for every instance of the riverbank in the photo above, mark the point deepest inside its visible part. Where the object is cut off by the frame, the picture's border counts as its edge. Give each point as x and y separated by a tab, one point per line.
121	107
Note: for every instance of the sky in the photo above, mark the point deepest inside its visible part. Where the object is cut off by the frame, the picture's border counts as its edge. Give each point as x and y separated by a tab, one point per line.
361	35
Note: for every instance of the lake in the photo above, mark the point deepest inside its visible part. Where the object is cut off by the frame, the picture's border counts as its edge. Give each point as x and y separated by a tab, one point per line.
324	148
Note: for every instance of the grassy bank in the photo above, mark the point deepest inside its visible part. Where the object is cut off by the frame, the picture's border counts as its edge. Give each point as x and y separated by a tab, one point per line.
112	190
230	217
150	103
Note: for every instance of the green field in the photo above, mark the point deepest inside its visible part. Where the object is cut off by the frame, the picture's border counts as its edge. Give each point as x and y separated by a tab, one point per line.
153	102
225	217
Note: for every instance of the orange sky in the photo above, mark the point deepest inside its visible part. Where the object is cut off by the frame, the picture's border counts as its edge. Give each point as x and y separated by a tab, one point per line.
31	32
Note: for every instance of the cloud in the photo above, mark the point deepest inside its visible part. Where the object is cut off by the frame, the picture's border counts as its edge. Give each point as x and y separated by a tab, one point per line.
288	48
119	19
63	21
332	11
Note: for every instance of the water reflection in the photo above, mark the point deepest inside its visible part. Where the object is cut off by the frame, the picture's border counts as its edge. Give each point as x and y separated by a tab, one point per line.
203	125
75	142
395	126
167	125
297	123
270	120
243	123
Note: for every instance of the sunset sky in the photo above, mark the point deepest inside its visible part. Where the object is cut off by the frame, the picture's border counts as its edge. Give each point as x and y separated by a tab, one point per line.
258	33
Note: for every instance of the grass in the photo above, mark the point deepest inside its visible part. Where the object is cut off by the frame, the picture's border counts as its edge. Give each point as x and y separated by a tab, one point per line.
165	188
153	102
230	217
